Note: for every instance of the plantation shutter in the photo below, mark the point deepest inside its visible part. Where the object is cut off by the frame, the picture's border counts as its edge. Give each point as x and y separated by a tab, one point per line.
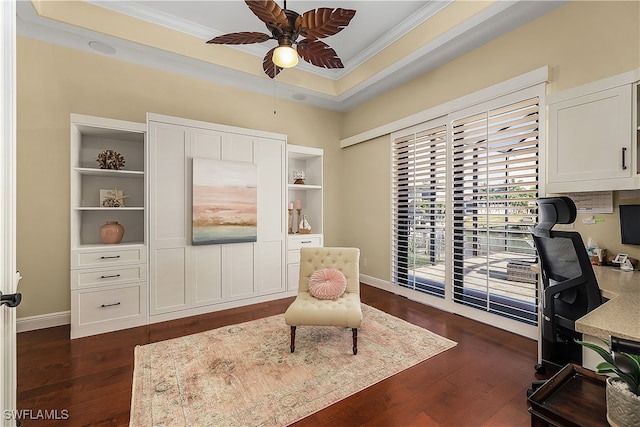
418	218
495	184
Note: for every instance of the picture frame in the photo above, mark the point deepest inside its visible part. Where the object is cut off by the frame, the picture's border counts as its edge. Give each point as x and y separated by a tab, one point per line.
225	202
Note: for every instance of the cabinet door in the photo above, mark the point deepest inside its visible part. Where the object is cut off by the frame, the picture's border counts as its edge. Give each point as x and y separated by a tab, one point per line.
270	157
184	276
168	219
590	139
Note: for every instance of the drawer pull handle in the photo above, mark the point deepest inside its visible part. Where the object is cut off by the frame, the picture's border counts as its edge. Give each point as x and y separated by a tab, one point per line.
306	241
110	276
110	257
624	152
110	305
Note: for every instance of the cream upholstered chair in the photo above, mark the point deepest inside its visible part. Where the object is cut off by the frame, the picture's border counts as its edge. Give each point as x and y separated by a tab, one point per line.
344	311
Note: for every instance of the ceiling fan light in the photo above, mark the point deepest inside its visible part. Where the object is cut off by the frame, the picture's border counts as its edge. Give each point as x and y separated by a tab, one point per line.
285	57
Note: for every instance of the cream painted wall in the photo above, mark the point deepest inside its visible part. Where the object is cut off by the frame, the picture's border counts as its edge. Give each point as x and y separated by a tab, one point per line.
581	42
606	231
54	82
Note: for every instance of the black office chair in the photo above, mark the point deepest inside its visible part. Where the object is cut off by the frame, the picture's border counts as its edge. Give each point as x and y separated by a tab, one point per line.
569	286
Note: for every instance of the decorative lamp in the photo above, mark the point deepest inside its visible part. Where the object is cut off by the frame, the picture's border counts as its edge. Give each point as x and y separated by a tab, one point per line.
285	56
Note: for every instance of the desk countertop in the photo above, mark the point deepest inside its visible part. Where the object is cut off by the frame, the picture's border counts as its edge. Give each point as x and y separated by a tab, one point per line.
620	316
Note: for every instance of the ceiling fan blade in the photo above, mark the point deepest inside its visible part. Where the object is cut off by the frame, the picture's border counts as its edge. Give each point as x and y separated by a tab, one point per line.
270	69
319	53
323	22
246	37
268	12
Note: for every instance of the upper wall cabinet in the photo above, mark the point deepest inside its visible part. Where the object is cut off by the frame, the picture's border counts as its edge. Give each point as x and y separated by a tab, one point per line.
592	140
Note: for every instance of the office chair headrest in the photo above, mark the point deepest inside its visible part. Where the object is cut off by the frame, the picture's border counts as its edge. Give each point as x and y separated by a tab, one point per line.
555	210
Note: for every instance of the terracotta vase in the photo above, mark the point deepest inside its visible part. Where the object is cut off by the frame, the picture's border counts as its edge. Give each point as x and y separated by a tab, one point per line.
111	232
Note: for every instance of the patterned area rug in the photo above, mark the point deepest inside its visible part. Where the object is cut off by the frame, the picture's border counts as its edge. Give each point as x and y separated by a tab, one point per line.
245	375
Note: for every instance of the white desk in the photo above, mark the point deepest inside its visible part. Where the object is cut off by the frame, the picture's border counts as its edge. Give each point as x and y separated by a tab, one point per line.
620	316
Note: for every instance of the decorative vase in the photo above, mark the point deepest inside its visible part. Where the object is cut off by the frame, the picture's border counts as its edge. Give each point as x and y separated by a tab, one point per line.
111	232
623	407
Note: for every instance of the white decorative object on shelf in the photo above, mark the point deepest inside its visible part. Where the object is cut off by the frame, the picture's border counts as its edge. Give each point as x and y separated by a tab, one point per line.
112	198
298	177
110	159
304	227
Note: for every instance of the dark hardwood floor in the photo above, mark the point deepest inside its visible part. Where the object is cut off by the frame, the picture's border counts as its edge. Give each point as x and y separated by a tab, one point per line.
481	381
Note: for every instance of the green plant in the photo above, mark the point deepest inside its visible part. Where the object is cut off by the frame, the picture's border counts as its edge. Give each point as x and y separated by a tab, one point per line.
627	368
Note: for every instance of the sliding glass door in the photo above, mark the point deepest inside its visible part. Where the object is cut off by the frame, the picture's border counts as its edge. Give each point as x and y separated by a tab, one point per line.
463	197
495	184
418	195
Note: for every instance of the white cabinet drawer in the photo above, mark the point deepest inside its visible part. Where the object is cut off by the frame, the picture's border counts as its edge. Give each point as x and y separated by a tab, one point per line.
108	276
86	258
298	242
118	304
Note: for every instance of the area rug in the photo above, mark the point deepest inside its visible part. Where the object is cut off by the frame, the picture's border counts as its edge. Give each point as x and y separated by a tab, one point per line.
245	374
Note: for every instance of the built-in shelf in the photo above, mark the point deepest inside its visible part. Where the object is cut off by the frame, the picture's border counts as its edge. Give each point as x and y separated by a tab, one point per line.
101	209
309	194
304	187
108	281
108	172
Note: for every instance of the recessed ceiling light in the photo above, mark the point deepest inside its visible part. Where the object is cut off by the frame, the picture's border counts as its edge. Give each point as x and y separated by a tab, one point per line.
102	47
299	97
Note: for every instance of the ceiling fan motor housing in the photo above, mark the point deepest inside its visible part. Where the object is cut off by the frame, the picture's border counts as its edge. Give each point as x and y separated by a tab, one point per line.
286	36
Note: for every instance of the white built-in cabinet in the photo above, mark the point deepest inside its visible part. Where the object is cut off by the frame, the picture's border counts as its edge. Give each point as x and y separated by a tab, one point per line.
186	279
593	137
156	273
108	281
309	194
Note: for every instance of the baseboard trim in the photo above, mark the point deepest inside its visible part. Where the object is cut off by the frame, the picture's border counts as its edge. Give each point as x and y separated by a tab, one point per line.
42	321
375	282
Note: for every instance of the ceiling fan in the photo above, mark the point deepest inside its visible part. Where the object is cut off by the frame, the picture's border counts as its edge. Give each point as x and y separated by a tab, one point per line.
286	26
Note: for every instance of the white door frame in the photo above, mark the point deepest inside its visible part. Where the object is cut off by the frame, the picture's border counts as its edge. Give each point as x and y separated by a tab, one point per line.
8	276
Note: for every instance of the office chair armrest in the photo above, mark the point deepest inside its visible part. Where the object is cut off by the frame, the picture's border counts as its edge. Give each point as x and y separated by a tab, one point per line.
549	321
552	291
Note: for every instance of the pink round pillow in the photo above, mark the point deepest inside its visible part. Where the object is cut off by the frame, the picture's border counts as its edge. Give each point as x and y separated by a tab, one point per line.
327	283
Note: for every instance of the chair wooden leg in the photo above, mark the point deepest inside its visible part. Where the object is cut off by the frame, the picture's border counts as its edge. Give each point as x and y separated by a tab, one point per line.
293	338
355	340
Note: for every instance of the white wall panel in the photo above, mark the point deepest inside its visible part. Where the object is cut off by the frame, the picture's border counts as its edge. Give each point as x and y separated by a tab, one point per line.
238	148
167	186
207	265
168	287
270	156
271	277
206	144
239	275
